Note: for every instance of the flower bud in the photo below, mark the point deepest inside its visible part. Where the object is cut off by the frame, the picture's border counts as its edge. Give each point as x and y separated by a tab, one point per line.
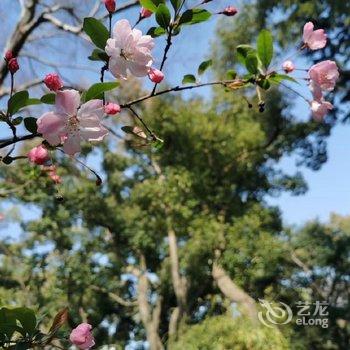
155	75
38	155
112	108
13	65
229	11
53	82
8	55
110	5
288	66
145	13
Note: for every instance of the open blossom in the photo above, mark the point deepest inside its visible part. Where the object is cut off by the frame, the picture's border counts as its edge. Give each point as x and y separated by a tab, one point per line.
315	90
129	50
155	75
112	108
324	74
53	81
314	39
38	155
320	109
82	337
288	66
145	13
70	125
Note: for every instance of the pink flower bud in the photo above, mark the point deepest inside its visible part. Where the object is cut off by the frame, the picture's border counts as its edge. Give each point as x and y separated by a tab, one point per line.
229	11
112	108
38	155
288	66
82	336
53	81
155	75
145	13
110	5
13	65
8	55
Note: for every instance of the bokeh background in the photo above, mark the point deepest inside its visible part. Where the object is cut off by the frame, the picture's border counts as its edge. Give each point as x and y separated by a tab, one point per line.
259	198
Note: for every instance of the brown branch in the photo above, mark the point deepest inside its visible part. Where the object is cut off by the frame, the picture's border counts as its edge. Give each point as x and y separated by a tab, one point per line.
114	297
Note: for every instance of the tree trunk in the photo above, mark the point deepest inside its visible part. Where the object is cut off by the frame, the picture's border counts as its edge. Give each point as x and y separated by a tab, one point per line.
234	293
150	318
179	284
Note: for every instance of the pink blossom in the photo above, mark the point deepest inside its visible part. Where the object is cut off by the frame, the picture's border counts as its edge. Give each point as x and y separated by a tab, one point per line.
82	337
70	125
315	90
288	66
110	5
13	65
129	50
324	74
8	55
314	39
112	108
229	11
38	155
53	81
320	109
52	173
145	13
155	75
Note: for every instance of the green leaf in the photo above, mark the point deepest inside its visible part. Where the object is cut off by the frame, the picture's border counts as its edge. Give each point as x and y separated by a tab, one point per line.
231	74
194	16
49	99
264	83
7	322
27	319
204	66
30	124
242	52
251	63
163	16
98	55
265	47
176	4
151	4
156	31
277	78
96	90
17	101
33	101
97	32
189	79
17	121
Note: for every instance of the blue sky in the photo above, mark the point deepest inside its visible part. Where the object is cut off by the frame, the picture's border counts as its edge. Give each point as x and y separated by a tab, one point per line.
329	188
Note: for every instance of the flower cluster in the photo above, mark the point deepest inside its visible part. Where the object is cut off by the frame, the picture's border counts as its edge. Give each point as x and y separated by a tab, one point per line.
322	76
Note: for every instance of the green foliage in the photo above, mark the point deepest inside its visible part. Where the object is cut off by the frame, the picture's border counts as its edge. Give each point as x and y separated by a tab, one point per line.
49	98
96	90
156	31
151	5
224	332
265	47
163	16
194	16
97	32
17	101
98	55
189	79
204	66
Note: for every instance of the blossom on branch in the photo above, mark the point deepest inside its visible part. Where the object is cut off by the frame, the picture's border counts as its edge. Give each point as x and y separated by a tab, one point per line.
112	108
145	13
324	74
38	155
82	337
110	5
155	75
314	39
129	50
53	82
320	109
69	124
288	66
